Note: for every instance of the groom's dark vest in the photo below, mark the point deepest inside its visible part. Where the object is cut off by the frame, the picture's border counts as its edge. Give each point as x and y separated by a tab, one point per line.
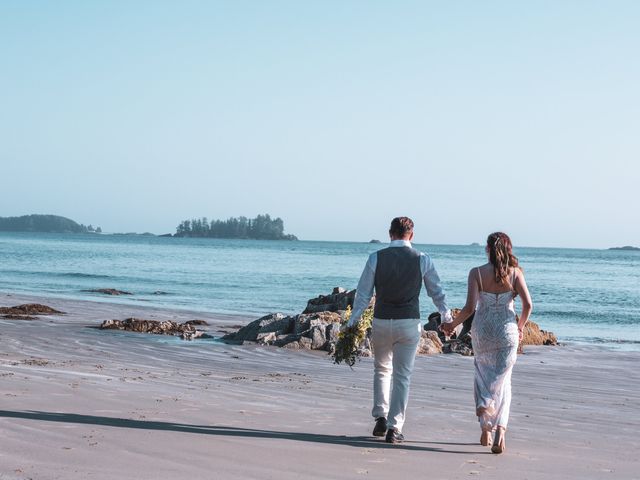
398	282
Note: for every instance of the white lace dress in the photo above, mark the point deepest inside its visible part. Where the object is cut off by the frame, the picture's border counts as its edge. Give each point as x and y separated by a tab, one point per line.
494	335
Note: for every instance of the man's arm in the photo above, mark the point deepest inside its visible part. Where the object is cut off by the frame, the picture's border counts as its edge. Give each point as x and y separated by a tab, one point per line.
434	289
364	291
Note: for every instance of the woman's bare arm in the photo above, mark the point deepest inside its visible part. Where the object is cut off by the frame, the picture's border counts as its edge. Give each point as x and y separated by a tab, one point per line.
470	305
527	305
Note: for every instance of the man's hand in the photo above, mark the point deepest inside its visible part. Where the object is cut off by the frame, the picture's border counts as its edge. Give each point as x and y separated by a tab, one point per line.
352	322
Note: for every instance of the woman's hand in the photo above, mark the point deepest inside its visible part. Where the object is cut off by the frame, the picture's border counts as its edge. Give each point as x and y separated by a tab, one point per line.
447	328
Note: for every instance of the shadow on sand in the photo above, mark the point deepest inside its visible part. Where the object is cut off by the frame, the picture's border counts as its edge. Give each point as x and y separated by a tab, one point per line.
362	442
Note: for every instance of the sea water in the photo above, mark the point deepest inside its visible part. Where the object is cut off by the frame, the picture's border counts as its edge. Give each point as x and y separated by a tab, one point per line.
588	296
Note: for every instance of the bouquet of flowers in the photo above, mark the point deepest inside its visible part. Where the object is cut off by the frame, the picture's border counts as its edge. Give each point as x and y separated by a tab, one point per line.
352	339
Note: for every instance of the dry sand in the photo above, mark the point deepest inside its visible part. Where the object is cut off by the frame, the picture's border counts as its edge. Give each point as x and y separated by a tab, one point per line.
79	403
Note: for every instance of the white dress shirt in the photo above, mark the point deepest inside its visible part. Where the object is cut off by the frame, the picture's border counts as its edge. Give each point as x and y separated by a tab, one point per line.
430	277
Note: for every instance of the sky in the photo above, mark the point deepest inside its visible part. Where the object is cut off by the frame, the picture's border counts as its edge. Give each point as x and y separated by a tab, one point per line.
335	115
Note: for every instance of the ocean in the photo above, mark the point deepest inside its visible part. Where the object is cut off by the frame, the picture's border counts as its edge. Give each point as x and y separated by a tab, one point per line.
583	296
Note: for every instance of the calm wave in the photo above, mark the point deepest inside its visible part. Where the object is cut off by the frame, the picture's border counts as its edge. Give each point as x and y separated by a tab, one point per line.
590	296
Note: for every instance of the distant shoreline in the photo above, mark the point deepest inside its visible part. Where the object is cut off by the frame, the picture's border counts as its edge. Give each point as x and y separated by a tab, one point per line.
368	242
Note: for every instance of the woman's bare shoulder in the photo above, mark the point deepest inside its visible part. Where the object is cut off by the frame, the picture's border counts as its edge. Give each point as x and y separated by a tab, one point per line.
483	270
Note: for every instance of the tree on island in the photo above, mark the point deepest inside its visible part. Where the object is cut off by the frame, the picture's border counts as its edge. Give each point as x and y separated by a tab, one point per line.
263	227
44	224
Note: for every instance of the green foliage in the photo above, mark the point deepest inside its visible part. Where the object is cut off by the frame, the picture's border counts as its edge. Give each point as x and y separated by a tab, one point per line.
263	227
351	339
43	223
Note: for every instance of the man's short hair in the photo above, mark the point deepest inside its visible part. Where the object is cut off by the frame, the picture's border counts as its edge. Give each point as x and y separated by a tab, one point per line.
401	226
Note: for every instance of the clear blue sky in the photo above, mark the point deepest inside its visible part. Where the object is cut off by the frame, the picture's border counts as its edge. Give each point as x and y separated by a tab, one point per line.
467	116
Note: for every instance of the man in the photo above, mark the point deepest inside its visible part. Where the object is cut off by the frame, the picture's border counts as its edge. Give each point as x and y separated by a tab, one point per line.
396	273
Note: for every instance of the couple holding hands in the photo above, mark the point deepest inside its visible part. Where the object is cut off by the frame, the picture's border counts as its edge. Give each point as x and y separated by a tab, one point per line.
397	274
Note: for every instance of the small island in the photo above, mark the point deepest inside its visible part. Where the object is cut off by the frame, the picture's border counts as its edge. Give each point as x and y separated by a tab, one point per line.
44	224
626	247
263	227
374	241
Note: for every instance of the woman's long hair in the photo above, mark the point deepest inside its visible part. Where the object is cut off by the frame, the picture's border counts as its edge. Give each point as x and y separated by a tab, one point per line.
501	256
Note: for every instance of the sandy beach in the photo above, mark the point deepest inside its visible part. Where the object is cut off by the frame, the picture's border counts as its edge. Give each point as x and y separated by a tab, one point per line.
82	403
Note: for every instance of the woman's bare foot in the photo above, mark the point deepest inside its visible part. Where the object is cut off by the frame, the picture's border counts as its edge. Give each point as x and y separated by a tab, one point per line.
499	444
485	438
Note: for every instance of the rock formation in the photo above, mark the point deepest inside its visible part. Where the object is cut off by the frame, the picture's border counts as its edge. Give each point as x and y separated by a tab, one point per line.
533	335
108	291
186	330
317	328
29	309
337	301
315	331
460	342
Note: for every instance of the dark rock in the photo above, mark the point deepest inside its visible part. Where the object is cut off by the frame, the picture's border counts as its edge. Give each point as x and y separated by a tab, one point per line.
433	322
305	322
318	337
275	322
141	325
266	338
457	346
196	322
159	327
314	331
108	291
29	309
338	300
193	334
332	332
302	343
19	317
366	350
282	340
461	345
374	241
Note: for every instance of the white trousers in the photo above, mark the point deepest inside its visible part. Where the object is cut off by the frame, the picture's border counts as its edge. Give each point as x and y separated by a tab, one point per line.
394	343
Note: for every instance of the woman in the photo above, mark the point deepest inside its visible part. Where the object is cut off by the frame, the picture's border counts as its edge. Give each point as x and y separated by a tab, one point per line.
495	334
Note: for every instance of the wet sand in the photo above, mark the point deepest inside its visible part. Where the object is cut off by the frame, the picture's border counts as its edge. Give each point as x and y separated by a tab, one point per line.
82	403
